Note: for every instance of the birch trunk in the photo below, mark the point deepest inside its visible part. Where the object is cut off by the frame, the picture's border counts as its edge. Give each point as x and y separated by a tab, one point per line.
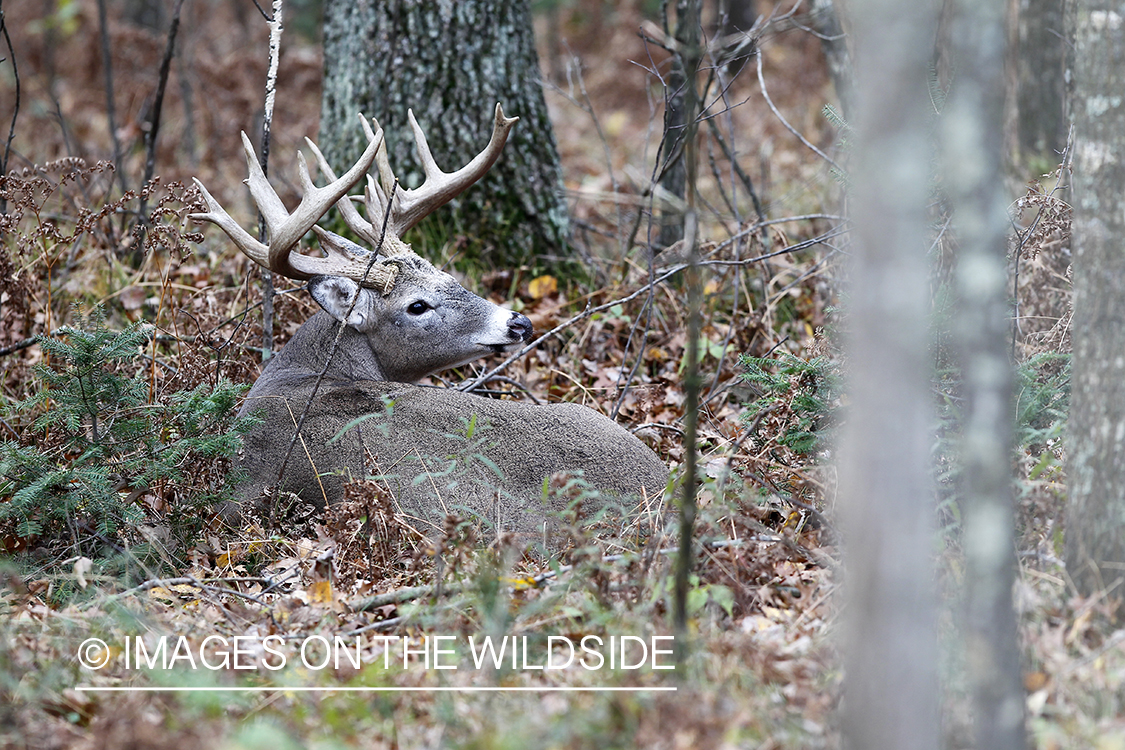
1095	538
886	499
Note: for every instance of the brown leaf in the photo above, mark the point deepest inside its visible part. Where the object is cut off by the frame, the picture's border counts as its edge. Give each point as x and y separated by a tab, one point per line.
133	297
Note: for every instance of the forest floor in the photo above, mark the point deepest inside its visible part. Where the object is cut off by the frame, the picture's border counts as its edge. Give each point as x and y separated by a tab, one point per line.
760	667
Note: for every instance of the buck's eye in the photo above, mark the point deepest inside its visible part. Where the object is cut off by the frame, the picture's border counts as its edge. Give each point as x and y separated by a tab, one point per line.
417	307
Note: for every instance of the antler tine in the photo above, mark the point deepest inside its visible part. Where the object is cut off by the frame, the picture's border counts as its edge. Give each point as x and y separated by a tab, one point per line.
376	201
315	203
381	164
218	216
411	206
387	177
286	229
302	266
378	198
347	210
265	197
429	166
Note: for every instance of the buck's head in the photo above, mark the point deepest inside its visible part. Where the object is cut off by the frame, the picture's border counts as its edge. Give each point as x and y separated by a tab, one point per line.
425	323
415	318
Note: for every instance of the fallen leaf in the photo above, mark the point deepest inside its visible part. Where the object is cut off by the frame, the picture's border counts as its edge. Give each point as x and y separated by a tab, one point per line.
133	297
320	591
541	286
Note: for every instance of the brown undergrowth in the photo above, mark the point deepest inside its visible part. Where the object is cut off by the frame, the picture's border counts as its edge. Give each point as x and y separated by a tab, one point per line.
759	665
760	670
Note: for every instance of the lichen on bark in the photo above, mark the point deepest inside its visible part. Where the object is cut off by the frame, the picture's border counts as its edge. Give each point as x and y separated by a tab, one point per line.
451	62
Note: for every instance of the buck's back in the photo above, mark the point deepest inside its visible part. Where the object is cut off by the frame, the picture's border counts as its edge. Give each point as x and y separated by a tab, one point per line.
441	450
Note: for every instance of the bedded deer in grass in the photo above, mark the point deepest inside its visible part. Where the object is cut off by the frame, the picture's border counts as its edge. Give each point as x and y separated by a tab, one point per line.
389	318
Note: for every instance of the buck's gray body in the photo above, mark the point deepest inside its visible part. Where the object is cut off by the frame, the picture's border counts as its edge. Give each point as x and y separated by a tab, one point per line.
424	434
399	319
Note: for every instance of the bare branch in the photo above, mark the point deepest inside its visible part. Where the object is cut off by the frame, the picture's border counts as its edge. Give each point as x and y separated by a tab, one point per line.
15	107
158	103
790	128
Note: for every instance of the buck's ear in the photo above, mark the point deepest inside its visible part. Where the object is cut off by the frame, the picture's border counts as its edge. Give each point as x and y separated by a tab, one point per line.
336	294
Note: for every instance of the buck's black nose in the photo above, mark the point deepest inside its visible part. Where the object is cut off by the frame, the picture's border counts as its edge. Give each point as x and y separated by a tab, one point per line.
519	325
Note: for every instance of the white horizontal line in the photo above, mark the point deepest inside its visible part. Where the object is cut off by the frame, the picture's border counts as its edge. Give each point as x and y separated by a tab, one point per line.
305	689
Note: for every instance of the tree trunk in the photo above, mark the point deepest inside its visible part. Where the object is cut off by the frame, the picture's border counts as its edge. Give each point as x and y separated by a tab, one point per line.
1095	538
886	497
1041	99
450	62
972	129
733	21
834	43
674	174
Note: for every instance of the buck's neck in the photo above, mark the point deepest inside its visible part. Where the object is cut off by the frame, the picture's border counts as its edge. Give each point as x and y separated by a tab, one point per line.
308	350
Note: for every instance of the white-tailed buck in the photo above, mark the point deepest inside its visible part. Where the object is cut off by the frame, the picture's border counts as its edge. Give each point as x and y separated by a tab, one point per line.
389	318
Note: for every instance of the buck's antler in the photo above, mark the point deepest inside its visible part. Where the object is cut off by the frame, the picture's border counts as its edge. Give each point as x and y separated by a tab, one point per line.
285	229
407	207
411	206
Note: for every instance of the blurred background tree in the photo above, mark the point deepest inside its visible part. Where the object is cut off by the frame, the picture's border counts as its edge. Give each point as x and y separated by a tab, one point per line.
1042	59
971	132
450	63
888	637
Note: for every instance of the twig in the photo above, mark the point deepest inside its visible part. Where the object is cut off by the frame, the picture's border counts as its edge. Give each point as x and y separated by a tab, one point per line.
393	622
15	107
17	346
340	325
688	35
186	581
158	104
399	596
625	381
512	382
110	108
267	126
587	106
790	128
809	272
1027	235
538	580
658	425
728	152
588	311
818	240
744	178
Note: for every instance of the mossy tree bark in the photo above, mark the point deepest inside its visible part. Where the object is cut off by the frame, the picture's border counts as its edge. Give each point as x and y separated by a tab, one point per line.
1095	524
450	62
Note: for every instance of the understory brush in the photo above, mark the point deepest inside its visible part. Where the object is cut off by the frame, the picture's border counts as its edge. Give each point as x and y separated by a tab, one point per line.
796	410
494	615
99	458
118	431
